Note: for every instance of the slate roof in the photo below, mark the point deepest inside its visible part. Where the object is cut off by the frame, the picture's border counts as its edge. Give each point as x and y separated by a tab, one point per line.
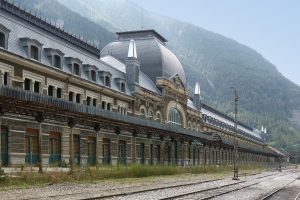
156	60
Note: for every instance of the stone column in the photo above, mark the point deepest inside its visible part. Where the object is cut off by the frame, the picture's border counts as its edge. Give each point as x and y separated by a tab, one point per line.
162	150
182	152
83	149
71	124
114	150
133	146
45	145
97	129
39	118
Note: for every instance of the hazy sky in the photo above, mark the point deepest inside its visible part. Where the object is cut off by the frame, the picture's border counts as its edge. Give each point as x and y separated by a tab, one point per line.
271	27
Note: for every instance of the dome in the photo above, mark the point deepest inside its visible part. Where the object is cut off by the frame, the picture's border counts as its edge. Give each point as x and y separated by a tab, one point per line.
156	60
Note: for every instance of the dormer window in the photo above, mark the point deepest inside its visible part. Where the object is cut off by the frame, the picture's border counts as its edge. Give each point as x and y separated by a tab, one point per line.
3	36
74	65
93	75
2	40
34	52
32	48
91	71
57	61
107	81
123	88
105	77
76	69
55	57
121	84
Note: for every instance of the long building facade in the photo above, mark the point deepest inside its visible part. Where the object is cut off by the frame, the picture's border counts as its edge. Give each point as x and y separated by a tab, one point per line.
62	100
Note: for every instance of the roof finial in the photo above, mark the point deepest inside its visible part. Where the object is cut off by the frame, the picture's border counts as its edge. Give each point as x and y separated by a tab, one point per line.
132	49
197	88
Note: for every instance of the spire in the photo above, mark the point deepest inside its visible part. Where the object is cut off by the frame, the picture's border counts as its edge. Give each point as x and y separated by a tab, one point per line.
265	131
197	97
262	129
197	88
132	49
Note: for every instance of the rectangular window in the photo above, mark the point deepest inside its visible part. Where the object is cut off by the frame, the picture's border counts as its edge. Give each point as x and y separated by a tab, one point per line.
88	101
5	78
58	93
27	84
50	90
36	87
95	102
71	94
77	98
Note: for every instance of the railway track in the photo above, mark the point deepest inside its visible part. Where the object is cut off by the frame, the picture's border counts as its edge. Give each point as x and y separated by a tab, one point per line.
222	190
275	194
179	186
128	194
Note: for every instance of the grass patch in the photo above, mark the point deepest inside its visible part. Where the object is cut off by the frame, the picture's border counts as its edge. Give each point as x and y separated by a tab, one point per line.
92	174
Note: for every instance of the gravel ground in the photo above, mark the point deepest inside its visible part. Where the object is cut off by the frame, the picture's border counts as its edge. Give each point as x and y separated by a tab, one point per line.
81	190
163	193
84	190
260	190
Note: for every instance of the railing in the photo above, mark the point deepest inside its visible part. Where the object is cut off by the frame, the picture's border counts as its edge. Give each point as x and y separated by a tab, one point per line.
23	95
65	105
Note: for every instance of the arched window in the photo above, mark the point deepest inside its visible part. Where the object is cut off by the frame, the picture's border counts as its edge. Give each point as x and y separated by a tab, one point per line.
158	118
150	116
143	113
175	117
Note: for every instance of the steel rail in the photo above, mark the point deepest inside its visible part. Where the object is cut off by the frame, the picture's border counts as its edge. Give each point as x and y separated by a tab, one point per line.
222	193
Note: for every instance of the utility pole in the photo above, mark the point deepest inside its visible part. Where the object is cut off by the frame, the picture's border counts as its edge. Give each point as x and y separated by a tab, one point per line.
235	146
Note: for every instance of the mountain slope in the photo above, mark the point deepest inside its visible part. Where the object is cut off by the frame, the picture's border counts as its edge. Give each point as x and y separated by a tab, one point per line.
267	97
210	55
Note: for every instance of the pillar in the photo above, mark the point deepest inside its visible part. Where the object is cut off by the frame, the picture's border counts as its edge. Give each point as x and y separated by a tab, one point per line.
71	125
133	146
162	150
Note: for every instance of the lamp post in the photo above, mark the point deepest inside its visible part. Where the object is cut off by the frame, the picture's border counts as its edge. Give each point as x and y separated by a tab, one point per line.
235	146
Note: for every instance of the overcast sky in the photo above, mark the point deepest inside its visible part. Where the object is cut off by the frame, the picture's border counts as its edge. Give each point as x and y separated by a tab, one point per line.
271	27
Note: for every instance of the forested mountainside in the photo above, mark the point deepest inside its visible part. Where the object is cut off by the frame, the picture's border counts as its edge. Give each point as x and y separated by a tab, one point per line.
266	96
